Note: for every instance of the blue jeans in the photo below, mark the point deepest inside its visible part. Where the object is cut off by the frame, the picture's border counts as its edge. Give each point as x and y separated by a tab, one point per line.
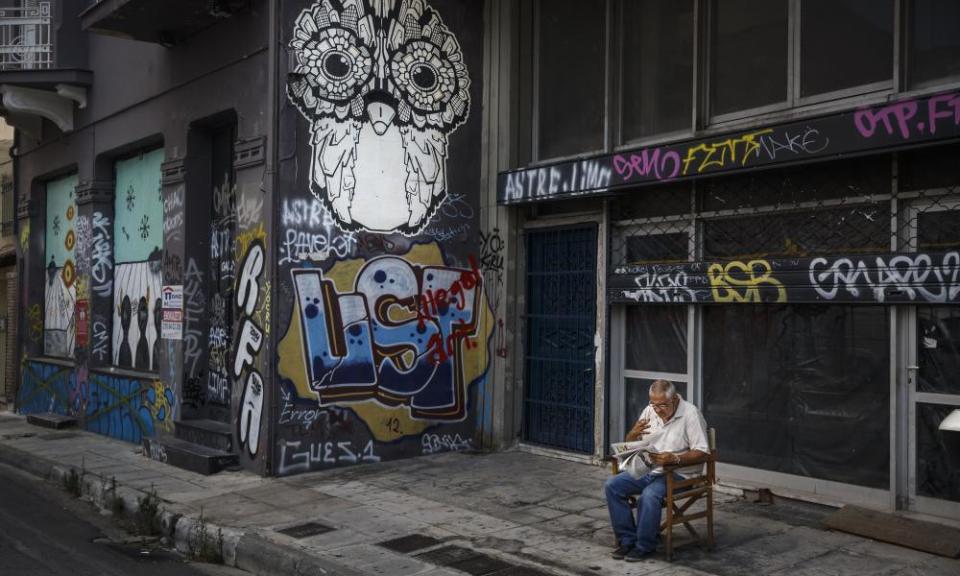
643	532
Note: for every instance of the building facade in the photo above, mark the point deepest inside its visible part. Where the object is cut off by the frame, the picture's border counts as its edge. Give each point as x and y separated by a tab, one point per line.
769	193
305	234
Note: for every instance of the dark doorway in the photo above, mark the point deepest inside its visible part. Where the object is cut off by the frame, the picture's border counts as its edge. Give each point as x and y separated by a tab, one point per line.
561	322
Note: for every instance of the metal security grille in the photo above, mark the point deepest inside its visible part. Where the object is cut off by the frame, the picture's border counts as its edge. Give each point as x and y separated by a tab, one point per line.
560	321
809	233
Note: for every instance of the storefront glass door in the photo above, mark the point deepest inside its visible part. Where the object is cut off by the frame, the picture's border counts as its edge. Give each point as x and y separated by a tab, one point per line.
932	371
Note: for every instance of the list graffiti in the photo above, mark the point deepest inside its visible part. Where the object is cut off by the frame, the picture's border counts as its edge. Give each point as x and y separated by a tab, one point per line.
397	337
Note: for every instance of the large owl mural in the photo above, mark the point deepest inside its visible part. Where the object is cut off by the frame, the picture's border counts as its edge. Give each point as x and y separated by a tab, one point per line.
384	85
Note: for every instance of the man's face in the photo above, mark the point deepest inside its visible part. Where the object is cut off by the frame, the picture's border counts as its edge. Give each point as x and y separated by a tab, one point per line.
663	406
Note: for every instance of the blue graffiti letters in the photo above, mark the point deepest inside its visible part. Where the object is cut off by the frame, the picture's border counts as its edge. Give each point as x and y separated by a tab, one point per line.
398	337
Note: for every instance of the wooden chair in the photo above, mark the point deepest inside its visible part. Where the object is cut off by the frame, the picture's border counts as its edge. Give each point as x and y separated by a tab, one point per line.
683	494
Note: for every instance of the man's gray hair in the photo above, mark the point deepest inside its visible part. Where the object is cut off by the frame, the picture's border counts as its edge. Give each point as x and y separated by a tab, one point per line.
664	387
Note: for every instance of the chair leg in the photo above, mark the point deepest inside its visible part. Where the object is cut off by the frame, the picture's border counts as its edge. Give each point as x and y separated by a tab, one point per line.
669	545
710	518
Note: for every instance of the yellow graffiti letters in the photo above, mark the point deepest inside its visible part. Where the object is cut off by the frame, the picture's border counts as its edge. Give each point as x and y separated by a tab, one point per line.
739	282
719	155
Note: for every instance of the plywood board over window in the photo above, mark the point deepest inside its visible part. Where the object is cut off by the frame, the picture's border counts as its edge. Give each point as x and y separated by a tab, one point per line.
138	230
60	292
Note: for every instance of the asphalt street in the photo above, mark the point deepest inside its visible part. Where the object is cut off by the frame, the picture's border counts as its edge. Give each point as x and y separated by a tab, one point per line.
44	531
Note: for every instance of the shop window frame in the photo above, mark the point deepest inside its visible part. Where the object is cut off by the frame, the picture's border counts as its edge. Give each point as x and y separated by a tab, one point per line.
537	157
794	100
905	15
617	63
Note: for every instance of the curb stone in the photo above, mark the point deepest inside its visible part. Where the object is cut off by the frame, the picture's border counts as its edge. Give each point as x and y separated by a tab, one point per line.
247	551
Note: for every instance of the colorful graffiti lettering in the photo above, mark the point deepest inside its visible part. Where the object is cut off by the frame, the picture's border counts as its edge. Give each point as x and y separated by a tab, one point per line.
399	339
397	336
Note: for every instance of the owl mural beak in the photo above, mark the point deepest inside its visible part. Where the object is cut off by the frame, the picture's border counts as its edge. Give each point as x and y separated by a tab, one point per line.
381	116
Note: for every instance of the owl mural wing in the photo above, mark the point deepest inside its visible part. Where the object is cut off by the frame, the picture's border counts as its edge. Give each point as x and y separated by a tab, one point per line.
432	87
389	65
334	65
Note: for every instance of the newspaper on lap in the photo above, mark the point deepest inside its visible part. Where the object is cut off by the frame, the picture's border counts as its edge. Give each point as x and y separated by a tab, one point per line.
633	457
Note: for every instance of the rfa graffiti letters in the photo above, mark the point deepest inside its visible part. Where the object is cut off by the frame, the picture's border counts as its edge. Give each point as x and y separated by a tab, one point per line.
249	343
917	276
398	337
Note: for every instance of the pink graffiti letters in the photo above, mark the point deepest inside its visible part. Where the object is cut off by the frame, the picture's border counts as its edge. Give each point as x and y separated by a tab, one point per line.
656	162
895	119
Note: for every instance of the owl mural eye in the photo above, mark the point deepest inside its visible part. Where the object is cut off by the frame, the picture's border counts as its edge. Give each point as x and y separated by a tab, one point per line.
425	76
336	64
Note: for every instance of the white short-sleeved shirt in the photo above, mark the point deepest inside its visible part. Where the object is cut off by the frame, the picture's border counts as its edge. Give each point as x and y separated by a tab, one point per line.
687	430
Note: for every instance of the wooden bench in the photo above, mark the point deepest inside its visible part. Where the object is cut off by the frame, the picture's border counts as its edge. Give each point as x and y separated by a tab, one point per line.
683	494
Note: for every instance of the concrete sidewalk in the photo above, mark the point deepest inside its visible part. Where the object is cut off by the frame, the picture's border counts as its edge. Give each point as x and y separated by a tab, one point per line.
509	514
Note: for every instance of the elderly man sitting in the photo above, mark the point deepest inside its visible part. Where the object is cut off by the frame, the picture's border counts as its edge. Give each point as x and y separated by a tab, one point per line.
678	435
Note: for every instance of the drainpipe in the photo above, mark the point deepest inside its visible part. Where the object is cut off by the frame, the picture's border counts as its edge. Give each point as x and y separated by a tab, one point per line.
272	177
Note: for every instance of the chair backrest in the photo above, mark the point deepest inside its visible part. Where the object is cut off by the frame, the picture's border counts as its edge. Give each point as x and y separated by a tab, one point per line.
712	439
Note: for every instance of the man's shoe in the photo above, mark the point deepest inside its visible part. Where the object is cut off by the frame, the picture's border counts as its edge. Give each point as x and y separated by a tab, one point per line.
621	552
636	555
